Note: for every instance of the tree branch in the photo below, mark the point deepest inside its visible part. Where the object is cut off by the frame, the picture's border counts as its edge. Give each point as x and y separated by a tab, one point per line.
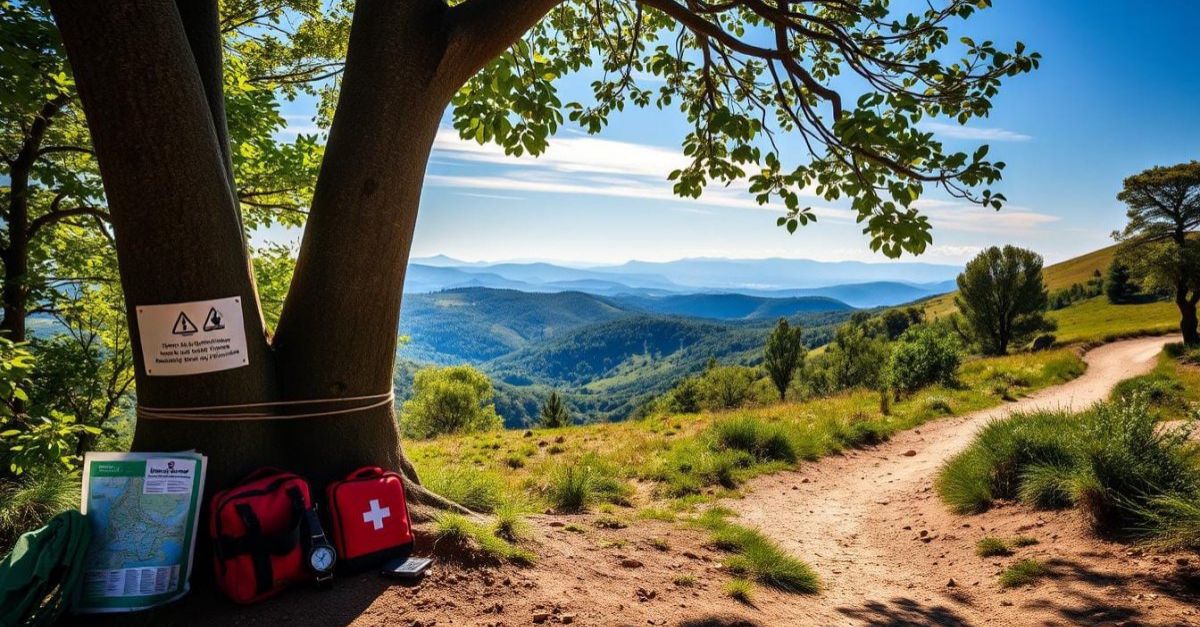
479	30
54	216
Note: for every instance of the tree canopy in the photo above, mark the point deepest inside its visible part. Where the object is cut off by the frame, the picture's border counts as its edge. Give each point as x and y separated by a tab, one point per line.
1159	240
1003	298
783	353
794	98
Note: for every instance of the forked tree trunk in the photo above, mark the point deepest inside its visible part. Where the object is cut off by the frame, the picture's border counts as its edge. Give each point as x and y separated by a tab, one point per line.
148	74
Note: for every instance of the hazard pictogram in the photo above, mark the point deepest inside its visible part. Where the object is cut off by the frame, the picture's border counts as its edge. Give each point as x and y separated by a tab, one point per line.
183	325
214	321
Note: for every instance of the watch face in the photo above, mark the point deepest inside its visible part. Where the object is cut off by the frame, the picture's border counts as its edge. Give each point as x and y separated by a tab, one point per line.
321	559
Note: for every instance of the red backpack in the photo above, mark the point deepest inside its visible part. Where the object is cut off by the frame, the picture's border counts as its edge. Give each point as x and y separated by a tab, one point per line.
370	518
257	528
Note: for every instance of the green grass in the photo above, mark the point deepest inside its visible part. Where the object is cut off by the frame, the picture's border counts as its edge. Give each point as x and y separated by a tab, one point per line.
1172	388
32	500
684	581
1097	320
992	547
1022	573
473	540
1114	462
695	458
740	590
754	555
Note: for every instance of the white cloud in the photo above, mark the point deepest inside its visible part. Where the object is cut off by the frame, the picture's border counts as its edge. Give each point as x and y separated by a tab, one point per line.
957	131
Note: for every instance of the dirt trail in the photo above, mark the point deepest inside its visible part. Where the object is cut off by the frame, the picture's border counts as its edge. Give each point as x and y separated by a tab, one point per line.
859	520
868	522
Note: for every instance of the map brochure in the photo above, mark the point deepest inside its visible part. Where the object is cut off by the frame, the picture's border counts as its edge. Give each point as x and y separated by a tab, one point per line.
143	509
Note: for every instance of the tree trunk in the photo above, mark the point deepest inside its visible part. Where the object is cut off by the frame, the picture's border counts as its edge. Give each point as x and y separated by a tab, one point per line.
1187	317
177	231
147	80
337	332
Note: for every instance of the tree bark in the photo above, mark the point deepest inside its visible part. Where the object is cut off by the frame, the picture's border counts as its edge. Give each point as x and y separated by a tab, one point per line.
177	232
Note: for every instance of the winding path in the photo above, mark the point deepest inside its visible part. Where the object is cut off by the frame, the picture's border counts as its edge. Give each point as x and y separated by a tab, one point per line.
859	519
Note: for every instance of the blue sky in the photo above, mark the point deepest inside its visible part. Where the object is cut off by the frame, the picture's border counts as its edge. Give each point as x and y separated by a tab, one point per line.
1118	91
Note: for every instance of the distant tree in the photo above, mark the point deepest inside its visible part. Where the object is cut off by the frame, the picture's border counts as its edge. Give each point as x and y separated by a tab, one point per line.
897	321
726	387
923	355
1003	298
784	353
685	398
454	399
554	412
856	357
1164	210
1119	285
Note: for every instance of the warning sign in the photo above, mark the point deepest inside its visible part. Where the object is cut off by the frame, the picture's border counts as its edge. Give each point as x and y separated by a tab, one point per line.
173	345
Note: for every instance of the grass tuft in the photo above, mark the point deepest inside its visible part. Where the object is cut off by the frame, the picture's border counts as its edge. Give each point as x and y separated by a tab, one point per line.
992	547
757	556
740	590
684	581
32	500
1022	573
477	541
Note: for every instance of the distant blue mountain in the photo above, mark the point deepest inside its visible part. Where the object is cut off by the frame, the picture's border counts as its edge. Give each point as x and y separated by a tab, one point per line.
766	278
732	306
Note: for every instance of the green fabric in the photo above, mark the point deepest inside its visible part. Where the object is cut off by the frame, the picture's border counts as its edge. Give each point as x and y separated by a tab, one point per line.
40	576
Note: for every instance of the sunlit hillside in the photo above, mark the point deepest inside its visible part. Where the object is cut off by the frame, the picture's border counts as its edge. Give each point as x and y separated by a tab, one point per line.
1093	319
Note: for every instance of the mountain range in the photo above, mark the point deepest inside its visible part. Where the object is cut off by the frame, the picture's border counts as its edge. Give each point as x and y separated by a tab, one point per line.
856	284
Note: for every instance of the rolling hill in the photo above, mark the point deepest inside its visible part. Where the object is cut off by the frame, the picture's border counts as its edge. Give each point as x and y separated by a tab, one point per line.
605	356
1094	319
732	306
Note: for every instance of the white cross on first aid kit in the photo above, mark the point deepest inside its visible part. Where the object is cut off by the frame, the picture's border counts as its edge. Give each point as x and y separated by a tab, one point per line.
376	514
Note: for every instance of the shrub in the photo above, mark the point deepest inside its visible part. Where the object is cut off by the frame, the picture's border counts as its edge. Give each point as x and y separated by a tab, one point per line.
685	397
454	399
923	356
1043	342
856	358
726	387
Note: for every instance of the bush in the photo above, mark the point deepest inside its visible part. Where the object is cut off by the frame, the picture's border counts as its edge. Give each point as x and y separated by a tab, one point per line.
685	398
856	358
726	387
923	356
1043	342
454	399
1114	462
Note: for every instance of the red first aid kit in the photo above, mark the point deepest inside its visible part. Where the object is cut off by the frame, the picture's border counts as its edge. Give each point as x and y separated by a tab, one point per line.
369	518
257	528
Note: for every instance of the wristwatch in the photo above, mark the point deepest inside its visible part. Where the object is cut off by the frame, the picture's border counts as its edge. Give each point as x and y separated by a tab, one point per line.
321	556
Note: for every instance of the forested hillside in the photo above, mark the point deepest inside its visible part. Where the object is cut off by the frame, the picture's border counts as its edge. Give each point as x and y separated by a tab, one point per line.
606	356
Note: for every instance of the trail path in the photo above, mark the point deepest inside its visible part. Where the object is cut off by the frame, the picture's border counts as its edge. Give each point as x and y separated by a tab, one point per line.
887	550
859	519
